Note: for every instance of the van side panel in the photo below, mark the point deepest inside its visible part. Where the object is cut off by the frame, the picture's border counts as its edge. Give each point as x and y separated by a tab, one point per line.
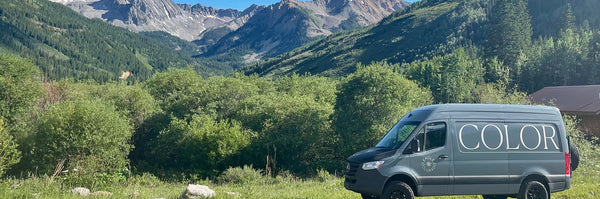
495	156
476	170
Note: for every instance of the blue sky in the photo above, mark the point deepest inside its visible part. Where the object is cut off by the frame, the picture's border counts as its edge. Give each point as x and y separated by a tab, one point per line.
235	4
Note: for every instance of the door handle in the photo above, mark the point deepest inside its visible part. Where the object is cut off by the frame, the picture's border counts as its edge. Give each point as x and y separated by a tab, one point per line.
443	157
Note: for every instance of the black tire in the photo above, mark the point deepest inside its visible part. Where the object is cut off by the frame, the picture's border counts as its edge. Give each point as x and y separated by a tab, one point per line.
366	196
494	196
574	154
533	190
398	190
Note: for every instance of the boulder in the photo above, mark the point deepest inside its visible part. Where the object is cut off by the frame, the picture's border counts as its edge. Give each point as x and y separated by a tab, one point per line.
196	192
82	191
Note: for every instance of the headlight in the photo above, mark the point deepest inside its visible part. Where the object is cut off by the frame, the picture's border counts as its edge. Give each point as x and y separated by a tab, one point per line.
372	165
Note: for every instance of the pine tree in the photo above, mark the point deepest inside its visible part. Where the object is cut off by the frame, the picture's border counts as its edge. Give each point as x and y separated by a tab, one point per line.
593	60
509	34
568	19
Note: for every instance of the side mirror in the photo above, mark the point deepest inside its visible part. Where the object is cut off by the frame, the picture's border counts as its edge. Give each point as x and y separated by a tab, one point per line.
413	147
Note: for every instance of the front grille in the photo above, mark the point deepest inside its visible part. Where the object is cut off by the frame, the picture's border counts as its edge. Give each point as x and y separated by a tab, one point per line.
351	169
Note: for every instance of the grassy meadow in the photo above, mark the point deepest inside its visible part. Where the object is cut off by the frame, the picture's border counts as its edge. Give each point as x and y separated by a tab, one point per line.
586	184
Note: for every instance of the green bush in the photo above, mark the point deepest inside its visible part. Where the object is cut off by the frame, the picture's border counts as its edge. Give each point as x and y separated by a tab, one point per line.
9	155
241	175
19	87
202	146
132	101
370	102
175	90
298	130
90	135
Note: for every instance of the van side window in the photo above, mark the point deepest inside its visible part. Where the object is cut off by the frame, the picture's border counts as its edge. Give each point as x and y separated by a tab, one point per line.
432	137
435	135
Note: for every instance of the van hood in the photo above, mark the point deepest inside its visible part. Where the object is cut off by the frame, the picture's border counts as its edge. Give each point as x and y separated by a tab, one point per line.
371	154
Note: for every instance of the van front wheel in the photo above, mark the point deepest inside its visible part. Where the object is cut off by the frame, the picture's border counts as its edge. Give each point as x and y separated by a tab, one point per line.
398	190
533	190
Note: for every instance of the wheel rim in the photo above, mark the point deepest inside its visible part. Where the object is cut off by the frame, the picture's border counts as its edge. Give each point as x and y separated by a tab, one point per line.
398	194
536	192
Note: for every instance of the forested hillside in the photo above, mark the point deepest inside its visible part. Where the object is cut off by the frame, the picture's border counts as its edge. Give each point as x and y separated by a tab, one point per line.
424	29
65	44
552	41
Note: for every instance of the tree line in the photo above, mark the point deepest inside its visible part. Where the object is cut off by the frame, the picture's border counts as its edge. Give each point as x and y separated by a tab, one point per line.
179	122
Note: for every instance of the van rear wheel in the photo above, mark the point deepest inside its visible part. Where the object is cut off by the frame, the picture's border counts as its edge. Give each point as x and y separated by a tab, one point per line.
533	190
398	190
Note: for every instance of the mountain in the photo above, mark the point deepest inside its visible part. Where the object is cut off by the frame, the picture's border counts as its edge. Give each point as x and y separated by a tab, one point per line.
65	44
421	31
289	24
240	35
184	21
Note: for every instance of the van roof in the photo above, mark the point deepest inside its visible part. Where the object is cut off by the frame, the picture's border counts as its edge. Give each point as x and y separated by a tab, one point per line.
504	108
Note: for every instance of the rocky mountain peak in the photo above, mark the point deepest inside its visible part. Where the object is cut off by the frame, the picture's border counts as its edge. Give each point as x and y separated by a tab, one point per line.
153	10
184	21
290	23
252	9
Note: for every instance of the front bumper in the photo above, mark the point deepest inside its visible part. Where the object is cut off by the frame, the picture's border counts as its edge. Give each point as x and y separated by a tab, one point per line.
369	182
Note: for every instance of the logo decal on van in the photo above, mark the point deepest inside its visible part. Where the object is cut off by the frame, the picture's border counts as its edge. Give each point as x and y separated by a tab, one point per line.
505	137
428	164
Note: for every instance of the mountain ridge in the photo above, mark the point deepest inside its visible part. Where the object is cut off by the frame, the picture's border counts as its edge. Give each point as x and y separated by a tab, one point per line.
184	21
268	33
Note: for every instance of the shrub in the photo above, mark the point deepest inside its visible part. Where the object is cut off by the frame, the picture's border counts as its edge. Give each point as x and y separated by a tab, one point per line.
241	175
201	145
19	88
175	90
370	102
90	135
131	101
9	155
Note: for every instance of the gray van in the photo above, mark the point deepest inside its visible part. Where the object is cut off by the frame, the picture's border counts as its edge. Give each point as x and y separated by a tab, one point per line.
497	151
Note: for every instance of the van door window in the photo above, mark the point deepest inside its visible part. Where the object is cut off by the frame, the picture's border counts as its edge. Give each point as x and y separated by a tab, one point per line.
433	136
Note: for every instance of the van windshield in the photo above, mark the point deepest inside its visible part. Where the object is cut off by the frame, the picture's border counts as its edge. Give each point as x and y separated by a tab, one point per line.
398	134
